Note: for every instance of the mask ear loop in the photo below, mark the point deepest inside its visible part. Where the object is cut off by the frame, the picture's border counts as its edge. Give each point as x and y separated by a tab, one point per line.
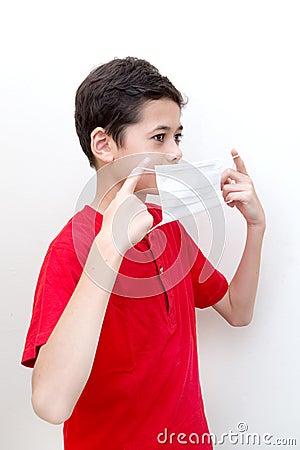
235	156
145	168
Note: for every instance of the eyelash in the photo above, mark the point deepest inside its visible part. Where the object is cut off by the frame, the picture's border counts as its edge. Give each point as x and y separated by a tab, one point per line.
178	137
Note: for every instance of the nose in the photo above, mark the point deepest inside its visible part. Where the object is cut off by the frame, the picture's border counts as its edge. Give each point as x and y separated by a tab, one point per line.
174	155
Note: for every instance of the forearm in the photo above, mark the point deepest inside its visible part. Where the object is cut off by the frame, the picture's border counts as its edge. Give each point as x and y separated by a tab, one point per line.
64	363
243	286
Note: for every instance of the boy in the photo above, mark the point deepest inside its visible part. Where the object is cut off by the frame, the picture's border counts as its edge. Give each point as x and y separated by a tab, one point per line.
112	337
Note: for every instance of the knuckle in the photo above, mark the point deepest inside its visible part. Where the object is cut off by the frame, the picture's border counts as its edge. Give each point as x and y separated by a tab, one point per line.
131	199
150	217
149	220
227	172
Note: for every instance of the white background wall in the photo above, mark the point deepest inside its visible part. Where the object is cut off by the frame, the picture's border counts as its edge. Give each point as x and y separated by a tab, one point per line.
238	61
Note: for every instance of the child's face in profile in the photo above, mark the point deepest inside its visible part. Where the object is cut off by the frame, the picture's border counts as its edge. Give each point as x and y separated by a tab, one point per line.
157	135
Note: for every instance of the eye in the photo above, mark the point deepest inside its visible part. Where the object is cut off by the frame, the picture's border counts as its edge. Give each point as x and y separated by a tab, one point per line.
159	137
178	138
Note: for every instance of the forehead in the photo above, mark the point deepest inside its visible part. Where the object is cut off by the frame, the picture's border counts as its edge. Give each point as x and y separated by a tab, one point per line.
160	112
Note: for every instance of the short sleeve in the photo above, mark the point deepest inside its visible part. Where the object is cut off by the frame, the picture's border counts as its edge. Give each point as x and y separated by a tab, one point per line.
209	285
57	280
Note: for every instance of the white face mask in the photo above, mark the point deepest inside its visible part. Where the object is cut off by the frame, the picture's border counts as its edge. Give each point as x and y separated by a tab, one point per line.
188	188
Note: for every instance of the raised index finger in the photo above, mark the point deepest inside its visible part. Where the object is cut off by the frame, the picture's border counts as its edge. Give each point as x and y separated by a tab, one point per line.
239	163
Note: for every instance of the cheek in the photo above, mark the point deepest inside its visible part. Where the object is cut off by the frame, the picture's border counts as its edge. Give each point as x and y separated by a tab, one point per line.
135	144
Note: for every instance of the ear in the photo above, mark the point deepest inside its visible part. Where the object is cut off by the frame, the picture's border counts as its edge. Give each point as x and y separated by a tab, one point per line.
100	145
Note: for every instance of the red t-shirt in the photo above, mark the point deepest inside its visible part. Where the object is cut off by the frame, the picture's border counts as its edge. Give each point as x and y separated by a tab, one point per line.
144	384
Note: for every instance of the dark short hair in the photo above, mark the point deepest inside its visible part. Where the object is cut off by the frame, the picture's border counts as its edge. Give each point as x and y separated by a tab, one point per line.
113	95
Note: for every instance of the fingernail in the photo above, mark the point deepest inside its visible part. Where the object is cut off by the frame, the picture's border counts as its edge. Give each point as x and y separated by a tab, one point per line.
137	170
235	156
146	160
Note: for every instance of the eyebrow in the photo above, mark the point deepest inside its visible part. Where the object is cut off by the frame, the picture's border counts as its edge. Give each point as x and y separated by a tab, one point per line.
166	128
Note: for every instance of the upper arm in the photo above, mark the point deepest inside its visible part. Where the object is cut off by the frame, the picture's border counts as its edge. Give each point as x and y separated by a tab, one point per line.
224	307
232	315
57	280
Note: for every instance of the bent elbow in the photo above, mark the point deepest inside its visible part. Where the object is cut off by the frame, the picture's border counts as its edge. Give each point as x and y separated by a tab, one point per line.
240	321
239	324
48	410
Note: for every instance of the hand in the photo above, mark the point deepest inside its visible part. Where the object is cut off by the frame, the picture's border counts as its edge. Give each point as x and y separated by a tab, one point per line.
126	220
238	190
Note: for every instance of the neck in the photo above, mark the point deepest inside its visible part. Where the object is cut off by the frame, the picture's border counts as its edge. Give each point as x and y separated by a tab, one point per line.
106	192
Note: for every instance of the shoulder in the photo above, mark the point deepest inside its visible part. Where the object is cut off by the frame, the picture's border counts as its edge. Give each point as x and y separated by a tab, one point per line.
73	242
85	223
